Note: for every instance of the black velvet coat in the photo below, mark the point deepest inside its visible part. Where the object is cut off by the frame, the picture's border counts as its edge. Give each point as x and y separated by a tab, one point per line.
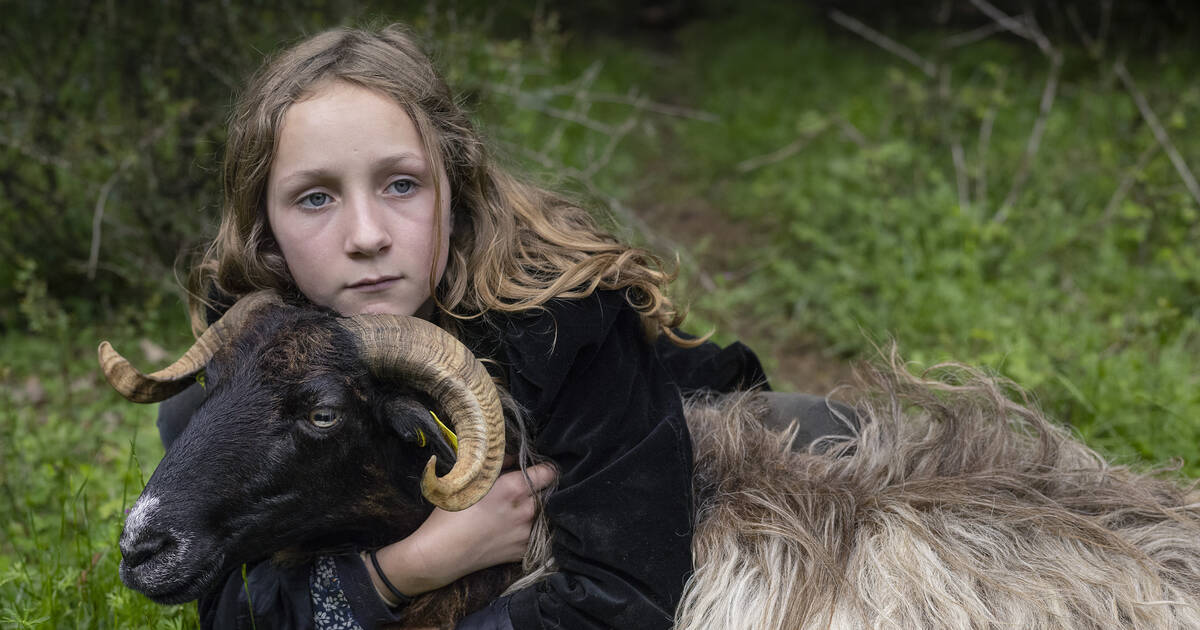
605	406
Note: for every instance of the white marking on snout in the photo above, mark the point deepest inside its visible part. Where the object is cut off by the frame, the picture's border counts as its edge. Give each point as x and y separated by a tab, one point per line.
165	568
142	511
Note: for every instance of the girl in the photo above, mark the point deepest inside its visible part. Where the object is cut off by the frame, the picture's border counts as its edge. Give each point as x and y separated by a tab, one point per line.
352	177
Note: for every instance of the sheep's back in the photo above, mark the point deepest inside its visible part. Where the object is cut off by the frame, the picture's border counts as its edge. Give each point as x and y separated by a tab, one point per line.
957	505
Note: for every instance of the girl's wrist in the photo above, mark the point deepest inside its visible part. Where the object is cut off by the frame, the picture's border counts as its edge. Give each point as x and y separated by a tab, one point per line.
382	588
405	567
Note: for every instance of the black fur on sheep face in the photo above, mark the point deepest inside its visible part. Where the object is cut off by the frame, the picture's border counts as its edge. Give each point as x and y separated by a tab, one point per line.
297	445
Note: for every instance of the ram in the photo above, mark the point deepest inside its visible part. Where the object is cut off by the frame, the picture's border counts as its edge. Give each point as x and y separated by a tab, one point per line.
952	506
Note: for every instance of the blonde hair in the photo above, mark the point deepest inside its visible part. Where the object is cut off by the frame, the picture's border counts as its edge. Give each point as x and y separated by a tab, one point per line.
514	245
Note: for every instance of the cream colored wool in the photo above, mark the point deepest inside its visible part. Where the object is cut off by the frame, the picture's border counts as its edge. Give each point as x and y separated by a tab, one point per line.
955	507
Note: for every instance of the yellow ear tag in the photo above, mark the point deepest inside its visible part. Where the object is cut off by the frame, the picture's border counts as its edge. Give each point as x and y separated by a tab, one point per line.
200	379
421	438
450	437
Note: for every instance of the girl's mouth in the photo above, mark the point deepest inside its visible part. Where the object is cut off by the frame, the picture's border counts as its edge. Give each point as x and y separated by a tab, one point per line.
374	284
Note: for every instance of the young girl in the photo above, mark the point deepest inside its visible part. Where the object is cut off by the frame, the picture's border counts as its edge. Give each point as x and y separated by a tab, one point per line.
353	177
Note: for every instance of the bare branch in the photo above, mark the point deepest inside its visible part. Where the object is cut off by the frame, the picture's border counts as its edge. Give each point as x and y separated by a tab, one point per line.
1091	44
555	112
1025	28
106	188
1127	182
34	154
1035	137
972	36
193	53
98	217
884	42
850	132
985	138
580	106
639	102
1160	134
782	153
956	148
960	174
606	155
1105	21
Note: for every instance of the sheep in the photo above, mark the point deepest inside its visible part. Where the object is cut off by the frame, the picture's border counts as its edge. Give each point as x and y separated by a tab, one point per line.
243	481
955	505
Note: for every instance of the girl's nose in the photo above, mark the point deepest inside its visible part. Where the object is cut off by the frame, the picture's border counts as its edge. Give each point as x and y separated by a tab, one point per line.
366	229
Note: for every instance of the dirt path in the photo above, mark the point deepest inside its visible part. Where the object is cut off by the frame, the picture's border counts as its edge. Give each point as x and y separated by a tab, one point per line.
718	245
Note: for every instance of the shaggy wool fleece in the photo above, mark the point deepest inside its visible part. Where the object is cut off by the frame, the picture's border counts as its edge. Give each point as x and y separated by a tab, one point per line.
957	505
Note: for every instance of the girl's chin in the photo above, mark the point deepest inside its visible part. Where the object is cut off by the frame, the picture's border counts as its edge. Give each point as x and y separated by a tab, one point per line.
380	306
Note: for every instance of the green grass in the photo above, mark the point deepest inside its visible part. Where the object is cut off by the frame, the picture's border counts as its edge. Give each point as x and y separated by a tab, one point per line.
74	457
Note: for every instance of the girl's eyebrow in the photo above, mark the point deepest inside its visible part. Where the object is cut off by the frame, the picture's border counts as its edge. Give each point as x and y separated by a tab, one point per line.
408	159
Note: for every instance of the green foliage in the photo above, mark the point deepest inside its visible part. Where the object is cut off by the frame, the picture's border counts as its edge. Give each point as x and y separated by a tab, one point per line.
1083	294
74	457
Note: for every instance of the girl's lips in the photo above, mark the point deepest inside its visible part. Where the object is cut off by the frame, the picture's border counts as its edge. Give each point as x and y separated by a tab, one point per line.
374	284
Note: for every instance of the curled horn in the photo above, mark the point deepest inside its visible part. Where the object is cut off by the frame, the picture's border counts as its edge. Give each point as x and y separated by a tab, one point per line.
435	362
146	388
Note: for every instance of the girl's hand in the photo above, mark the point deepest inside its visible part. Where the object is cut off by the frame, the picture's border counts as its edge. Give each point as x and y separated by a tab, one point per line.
449	545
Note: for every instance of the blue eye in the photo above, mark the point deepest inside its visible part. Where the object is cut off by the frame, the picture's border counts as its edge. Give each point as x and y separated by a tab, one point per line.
403	187
314	200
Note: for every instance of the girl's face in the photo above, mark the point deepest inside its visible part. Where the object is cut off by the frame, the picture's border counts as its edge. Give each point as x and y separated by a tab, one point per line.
350	200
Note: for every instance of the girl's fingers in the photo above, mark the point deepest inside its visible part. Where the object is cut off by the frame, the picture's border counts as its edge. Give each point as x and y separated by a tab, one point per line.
541	476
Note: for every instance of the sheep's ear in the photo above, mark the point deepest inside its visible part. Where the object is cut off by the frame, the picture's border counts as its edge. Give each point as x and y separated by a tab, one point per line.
413	422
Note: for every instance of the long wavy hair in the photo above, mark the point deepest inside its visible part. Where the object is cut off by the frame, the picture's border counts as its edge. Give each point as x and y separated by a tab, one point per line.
514	245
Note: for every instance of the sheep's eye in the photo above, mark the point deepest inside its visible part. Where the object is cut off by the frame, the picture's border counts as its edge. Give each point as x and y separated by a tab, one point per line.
324	417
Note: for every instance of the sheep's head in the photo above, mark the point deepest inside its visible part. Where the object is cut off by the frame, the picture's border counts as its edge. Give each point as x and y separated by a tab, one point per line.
312	424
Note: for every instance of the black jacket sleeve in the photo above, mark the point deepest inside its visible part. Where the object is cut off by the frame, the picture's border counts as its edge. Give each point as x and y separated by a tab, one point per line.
607	413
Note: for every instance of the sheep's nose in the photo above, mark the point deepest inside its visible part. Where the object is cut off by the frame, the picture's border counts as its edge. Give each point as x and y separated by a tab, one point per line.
141	539
147	545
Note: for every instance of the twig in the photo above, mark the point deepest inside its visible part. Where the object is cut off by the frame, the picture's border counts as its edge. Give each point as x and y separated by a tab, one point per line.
782	153
209	65
606	155
960	174
1127	182
1089	43
639	102
985	138
34	154
851	132
1035	136
1160	134
98	217
581	106
956	148
971	36
884	42
106	188
1023	29
555	112
1105	21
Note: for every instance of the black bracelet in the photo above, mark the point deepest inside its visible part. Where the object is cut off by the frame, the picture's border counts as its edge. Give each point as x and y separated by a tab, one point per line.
400	597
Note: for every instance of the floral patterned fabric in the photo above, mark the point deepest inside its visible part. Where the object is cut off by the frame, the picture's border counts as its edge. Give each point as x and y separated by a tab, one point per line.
331	608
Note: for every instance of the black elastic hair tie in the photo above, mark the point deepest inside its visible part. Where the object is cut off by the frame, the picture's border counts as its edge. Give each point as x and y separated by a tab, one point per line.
400	597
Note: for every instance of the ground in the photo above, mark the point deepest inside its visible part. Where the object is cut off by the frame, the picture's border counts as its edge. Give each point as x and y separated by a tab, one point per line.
794	362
